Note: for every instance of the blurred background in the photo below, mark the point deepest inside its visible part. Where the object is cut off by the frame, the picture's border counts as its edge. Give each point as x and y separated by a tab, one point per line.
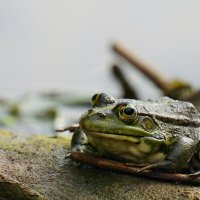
65	46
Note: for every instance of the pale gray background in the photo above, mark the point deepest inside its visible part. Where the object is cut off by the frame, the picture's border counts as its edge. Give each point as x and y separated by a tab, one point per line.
62	44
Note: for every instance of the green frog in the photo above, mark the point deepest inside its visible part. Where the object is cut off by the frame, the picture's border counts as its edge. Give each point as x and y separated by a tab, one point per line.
161	133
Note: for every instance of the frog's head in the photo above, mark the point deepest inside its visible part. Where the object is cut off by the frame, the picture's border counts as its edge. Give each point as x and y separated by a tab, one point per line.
116	127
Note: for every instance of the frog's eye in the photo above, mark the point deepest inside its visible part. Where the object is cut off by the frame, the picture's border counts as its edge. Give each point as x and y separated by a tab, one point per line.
147	124
128	113
95	99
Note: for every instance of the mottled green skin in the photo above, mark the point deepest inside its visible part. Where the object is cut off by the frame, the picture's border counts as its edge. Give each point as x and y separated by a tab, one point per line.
172	144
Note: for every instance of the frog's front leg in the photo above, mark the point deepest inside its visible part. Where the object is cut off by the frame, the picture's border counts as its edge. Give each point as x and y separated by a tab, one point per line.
80	142
178	158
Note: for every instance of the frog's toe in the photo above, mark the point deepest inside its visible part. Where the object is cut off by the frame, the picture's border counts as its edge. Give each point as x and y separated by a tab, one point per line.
194	174
147	167
80	148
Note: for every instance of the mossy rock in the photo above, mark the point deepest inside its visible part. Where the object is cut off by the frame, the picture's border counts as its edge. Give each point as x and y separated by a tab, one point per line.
37	168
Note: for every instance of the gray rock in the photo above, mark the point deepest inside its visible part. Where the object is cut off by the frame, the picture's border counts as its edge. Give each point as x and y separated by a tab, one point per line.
37	168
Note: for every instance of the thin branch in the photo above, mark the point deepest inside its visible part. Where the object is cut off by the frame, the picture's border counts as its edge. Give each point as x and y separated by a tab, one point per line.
69	128
159	79
128	91
102	163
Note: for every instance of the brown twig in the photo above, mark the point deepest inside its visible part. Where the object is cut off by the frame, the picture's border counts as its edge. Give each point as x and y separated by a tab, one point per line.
69	128
159	79
128	91
122	167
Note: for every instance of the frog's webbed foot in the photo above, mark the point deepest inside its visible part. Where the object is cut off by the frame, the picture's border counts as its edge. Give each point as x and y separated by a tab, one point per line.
144	166
194	174
161	164
177	158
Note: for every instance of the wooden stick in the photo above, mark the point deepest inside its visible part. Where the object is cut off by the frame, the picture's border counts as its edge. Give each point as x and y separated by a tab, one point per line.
103	163
128	91
71	128
159	79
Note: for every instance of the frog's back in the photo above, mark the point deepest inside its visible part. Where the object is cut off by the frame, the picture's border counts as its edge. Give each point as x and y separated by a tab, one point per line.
168	110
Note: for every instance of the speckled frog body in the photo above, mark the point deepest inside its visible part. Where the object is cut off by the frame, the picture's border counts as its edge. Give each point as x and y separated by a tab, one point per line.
161	133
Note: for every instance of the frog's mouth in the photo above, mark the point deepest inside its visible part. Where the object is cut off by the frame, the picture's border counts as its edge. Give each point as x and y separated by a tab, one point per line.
134	138
119	137
117	130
